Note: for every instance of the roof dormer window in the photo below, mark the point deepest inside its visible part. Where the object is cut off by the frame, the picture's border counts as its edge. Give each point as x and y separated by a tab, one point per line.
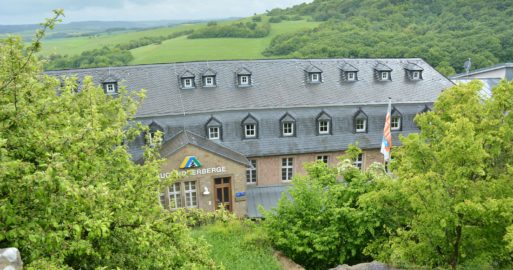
382	72
249	127
413	71
208	78
110	84
214	129
187	83
208	81
315	77
349	73
288	125
187	80
110	88
351	76
243	77
385	75
314	74
244	80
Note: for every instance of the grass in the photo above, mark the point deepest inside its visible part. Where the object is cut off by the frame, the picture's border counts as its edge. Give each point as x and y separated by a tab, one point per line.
238	245
179	49
183	49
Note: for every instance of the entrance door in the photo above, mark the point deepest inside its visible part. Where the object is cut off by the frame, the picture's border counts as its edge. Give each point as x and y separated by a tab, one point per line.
223	193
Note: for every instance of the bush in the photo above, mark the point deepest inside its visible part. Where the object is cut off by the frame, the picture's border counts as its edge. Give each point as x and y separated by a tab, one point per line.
241	30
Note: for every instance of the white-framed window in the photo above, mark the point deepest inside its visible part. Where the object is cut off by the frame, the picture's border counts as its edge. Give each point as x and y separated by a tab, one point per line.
175	197
244	80
361	125
209	81
251	173
214	133
187	83
287	167
359	161
324	127
384	75
351	76
250	130
288	128
315	77
395	123
324	158
110	87
190	194
415	75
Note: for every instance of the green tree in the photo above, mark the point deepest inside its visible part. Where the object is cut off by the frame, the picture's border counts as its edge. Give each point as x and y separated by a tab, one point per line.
319	224
452	201
70	195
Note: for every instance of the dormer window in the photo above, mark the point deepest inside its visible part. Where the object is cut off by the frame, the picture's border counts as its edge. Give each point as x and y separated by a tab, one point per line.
243	77
348	72
315	77
208	81
360	122
323	121
396	120
214	129
187	80
244	80
382	72
395	123
110	88
187	83
249	127
314	74
213	133
385	75
288	125
250	130
152	131
413	71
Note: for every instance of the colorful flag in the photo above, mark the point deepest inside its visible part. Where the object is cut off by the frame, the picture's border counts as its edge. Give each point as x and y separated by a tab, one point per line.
386	144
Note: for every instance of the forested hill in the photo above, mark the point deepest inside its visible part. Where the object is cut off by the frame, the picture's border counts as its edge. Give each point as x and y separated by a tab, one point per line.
443	32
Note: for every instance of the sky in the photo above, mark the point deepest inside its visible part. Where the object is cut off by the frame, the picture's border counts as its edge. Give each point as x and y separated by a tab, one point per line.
34	11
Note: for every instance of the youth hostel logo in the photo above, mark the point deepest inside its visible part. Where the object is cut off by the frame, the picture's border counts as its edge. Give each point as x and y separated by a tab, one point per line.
190	162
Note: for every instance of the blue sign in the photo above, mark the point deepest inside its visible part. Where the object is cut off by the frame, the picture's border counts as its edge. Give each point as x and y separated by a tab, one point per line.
240	194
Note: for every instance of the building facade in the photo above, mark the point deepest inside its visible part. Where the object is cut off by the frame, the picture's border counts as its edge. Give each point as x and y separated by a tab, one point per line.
261	120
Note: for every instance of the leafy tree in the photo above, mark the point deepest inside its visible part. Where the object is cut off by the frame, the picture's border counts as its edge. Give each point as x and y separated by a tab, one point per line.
453	200
319	224
444	33
70	195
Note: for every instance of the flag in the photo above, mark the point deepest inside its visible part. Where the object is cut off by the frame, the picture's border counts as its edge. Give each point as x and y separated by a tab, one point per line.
386	144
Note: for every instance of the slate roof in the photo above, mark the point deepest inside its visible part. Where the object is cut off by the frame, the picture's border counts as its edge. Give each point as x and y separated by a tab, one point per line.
186	137
276	83
267	196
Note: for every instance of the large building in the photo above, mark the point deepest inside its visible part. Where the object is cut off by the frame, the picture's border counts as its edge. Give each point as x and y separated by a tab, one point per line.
238	126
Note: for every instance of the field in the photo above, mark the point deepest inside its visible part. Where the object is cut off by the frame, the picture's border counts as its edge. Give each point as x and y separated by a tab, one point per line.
178	49
238	245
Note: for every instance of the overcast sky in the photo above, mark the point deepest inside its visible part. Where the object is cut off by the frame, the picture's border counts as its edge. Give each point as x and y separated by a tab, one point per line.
34	11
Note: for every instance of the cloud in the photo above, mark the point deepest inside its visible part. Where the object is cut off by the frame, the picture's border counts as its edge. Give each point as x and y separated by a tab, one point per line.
31	11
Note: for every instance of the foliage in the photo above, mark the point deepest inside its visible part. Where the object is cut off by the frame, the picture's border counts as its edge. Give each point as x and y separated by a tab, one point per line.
238	245
70	195
240	30
453	200
195	217
144	41
438	31
103	57
319	224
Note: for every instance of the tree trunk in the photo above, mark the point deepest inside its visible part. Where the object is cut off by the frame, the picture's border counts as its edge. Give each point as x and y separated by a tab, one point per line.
456	252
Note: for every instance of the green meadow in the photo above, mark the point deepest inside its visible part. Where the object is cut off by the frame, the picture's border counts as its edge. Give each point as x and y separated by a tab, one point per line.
178	49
